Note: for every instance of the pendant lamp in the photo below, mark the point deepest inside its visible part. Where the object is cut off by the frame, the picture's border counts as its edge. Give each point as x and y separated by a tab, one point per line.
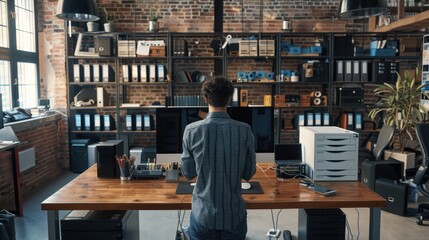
362	8
77	10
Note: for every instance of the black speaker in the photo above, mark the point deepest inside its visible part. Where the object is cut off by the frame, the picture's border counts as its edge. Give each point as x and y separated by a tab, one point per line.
107	167
395	194
372	170
321	224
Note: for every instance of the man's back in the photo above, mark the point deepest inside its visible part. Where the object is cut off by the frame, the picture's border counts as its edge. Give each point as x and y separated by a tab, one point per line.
220	151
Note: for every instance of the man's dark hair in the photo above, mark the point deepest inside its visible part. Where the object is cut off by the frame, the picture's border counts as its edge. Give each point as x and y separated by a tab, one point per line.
217	90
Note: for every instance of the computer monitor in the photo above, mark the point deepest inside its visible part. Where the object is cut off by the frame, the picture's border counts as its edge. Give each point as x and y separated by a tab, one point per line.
171	122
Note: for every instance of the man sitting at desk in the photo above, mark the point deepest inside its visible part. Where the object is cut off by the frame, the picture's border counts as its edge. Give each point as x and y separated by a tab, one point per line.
220	151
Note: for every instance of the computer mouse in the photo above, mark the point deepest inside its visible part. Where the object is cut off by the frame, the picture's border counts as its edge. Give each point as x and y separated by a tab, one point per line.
245	185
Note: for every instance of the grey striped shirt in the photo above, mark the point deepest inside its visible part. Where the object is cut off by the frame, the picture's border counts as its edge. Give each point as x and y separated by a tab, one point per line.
220	151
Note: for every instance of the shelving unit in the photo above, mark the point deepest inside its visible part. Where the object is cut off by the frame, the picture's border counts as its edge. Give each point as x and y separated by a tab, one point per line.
204	57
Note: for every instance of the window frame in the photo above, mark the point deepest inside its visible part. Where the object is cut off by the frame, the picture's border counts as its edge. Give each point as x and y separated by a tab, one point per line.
14	56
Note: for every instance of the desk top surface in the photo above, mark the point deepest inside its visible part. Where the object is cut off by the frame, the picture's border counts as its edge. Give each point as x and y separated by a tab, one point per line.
6	145
87	192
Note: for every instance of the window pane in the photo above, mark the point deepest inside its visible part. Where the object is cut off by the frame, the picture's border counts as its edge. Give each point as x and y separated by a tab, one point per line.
4	34
27	85
25	30
5	84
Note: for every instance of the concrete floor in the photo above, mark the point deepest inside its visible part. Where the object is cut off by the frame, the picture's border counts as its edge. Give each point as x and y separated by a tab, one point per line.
161	225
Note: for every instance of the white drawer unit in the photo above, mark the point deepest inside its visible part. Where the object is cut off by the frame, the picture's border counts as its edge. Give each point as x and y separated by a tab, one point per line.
331	153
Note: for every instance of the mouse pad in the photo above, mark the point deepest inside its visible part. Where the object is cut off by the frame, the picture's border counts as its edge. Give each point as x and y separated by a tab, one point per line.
186	188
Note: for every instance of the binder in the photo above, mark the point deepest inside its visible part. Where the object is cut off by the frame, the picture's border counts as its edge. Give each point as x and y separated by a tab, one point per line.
143	73
235	100
356	71
107	123
379	72
161	73
301	119
348	71
343	120
244	98
96	70
102	99
317	119
87	122
78	121
350	123
148	122
129	122
394	68
309	119
87	73
139	122
77	72
326	119
97	122
125	73
340	71
364	71
107	73
358	121
135	73
152	73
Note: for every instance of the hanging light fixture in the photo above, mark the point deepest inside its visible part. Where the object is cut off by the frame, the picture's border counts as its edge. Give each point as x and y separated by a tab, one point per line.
77	10
362	8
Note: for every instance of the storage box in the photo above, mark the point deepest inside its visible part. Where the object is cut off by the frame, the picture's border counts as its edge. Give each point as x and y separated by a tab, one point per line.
248	48
157	51
295	50
266	48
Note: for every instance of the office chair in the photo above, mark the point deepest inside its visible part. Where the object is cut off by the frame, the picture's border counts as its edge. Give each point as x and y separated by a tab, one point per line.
384	140
422	176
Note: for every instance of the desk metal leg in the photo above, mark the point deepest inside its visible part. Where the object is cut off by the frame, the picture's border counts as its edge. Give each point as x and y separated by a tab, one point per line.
53	225
374	223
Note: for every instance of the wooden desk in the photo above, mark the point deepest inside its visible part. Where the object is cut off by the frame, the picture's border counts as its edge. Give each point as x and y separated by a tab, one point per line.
13	148
87	192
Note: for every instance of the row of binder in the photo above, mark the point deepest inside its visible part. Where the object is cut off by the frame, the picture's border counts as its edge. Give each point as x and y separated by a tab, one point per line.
94	122
351	120
311	118
189	100
349	70
93	73
143	73
139	122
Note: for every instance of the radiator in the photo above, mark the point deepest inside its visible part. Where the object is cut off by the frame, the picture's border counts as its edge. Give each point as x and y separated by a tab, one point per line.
27	159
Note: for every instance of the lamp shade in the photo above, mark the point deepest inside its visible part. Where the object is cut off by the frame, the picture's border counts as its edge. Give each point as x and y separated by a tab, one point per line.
77	10
362	8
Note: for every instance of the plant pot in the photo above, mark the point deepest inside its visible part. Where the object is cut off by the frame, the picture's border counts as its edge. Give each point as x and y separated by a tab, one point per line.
109	27
153	26
408	158
92	26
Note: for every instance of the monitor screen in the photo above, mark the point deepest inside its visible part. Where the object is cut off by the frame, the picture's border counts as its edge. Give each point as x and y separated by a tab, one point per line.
171	122
288	152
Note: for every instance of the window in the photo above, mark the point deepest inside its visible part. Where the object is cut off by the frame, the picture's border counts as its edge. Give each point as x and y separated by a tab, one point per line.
19	74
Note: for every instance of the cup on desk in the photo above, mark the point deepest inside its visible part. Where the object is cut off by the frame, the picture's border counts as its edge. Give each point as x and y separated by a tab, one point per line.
171	175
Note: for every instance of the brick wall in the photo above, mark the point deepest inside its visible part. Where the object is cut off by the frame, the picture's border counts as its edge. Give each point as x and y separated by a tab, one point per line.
46	139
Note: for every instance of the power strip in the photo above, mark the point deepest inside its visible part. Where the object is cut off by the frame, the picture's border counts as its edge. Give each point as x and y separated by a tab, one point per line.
273	233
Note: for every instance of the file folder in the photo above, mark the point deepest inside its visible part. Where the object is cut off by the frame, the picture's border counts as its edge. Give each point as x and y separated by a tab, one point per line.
78	121
107	123
135	73
340	71
97	122
356	71
129	122
317	119
326	119
139	122
364	71
87	122
148	122
161	73
143	73
350	123
87	73
96	70
125	73
77	72
348	71
358	121
107	73
152	73
309	119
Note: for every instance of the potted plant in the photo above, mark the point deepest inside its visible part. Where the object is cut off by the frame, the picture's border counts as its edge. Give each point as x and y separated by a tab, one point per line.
92	26
153	20
400	105
108	21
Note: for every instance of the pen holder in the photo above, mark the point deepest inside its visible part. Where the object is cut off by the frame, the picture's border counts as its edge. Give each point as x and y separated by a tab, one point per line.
126	171
171	175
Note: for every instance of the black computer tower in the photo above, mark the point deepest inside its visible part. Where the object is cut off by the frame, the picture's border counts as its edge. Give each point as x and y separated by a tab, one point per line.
395	194
321	224
106	225
79	155
372	170
107	167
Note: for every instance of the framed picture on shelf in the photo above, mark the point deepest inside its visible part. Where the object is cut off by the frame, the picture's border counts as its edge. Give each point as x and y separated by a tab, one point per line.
85	46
